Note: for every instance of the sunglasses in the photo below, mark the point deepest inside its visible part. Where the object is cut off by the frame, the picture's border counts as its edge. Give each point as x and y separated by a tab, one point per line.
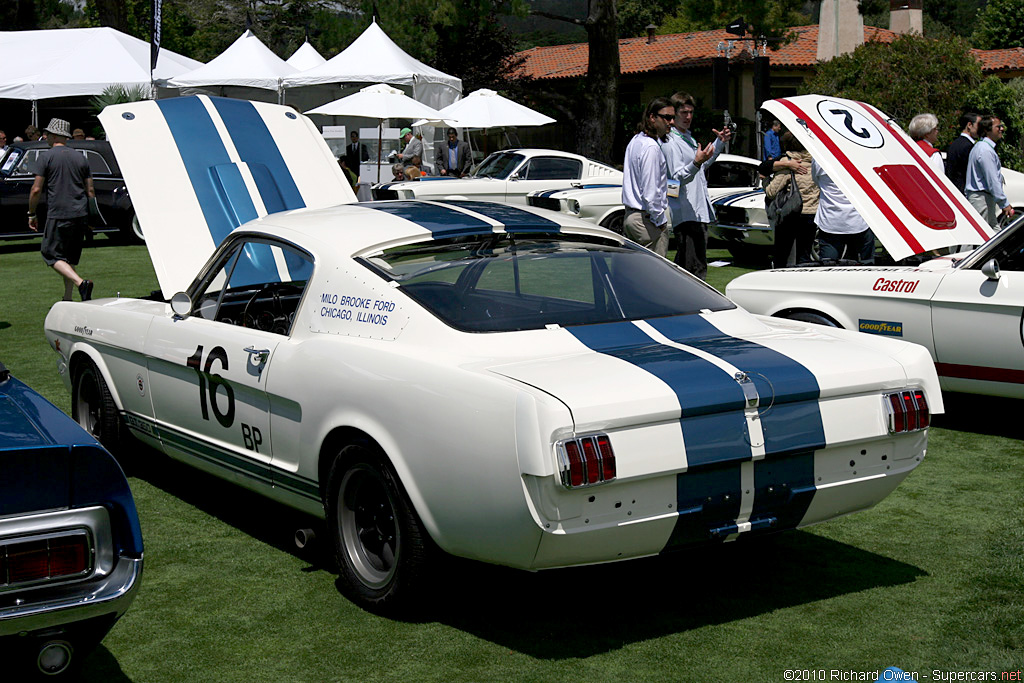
666	117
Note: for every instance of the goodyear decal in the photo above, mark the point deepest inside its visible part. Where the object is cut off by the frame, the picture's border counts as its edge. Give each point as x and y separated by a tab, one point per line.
886	327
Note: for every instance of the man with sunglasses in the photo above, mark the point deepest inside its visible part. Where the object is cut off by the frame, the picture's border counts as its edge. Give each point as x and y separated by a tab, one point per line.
984	184
689	202
645	179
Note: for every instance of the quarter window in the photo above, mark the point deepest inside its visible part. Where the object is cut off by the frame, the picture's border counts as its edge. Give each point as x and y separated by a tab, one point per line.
553	168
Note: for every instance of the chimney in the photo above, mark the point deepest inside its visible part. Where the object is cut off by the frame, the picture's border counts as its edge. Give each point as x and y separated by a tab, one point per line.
906	16
840	28
651	28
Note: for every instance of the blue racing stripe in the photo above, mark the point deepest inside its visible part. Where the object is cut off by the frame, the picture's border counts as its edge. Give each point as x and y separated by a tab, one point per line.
257	147
515	220
441	221
201	150
714	426
789	392
731	199
216	181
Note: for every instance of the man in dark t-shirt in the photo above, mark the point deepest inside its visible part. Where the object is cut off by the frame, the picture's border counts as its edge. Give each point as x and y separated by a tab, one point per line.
64	173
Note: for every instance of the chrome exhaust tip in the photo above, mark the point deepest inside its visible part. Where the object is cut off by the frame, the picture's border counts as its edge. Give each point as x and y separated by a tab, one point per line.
54	657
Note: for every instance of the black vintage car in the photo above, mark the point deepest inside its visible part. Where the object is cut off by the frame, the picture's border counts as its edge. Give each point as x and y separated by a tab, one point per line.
17	172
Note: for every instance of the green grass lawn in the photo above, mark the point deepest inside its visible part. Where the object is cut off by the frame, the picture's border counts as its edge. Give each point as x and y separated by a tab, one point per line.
932	579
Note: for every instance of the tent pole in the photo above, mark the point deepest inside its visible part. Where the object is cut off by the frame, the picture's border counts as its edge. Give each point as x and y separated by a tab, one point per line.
35	113
380	141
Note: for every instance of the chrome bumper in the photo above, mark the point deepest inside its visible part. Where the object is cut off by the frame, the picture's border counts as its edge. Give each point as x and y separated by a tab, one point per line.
64	605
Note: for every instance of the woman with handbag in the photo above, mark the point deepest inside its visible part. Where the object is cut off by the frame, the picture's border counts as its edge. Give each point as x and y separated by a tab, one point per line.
792	201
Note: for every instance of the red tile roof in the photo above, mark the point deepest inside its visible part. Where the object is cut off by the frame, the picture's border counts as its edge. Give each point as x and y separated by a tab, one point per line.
692	50
994	61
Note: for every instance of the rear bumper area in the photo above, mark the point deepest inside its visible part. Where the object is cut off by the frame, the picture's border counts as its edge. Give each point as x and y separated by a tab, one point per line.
720	502
73	603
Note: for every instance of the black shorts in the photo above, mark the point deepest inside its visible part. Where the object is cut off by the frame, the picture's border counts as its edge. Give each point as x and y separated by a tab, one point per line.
62	240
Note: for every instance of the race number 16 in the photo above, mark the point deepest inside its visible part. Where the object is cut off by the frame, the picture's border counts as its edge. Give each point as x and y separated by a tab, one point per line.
217	353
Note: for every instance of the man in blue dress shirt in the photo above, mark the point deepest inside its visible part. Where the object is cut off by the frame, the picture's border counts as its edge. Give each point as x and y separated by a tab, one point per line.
691	207
985	174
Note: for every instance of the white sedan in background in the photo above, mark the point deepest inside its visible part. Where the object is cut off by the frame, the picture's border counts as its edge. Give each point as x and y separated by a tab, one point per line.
601	203
499	383
506	176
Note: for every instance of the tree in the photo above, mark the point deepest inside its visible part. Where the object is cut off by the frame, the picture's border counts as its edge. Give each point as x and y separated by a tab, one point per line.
770	18
594	106
1000	25
481	51
904	78
1005	100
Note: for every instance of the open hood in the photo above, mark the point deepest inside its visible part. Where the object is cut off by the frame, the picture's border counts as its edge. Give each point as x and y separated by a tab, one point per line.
883	172
198	167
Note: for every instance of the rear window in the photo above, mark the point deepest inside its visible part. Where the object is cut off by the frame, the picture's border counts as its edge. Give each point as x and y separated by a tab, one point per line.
503	283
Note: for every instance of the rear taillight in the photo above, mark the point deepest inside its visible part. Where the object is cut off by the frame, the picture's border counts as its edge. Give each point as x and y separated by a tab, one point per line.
586	460
907	411
44	558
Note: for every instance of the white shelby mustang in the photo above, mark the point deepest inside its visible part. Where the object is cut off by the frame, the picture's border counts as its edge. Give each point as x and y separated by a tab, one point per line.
945	303
499	383
506	176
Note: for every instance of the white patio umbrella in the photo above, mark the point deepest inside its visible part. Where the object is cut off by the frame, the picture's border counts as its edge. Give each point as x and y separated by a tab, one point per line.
379	102
487	109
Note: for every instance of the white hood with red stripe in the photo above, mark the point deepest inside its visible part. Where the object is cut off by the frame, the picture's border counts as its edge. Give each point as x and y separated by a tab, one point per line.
884	173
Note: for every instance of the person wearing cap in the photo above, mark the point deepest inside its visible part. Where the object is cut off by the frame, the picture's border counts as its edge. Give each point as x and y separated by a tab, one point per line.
413	146
452	158
64	174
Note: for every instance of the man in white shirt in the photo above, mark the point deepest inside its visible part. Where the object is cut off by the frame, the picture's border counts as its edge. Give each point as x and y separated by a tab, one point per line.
645	179
842	232
689	202
984	184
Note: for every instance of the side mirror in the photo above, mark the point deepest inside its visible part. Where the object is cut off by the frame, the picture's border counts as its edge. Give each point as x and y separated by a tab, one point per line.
181	305
990	269
514	177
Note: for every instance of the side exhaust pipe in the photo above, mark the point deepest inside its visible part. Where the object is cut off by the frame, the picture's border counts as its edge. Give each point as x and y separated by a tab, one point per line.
304	537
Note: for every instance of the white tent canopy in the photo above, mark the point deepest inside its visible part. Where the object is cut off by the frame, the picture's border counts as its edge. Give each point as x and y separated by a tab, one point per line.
78	61
375	58
246	63
306	57
378	101
487	109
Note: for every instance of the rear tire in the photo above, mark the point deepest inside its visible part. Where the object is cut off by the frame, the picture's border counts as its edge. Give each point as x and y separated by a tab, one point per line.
93	407
811	317
379	543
